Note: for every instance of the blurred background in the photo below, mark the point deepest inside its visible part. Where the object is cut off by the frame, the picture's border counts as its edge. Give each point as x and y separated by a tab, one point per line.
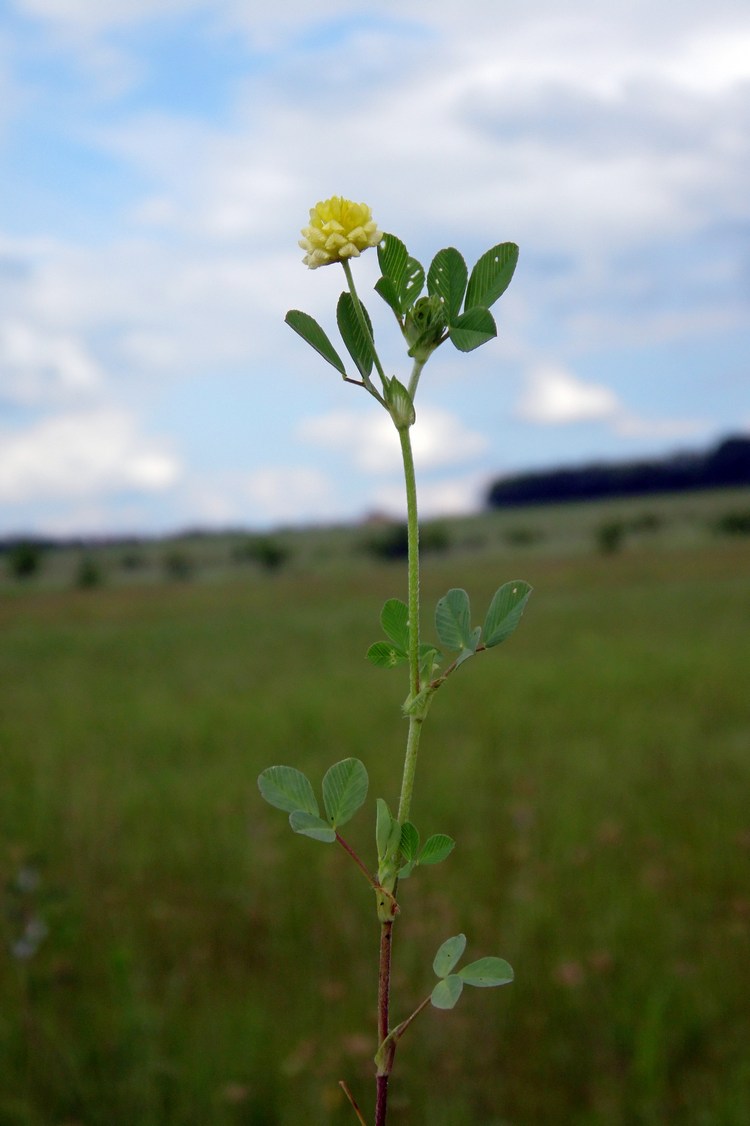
199	524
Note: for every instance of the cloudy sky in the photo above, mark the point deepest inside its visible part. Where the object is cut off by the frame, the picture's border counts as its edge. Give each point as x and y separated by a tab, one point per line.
160	156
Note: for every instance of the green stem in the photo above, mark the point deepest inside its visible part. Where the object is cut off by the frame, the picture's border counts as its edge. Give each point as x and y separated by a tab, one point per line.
415	721
416	371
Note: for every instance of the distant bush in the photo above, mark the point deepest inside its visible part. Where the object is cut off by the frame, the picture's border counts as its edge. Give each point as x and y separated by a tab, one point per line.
646	522
24	559
266	551
88	573
178	565
391	541
733	524
132	560
522	537
611	536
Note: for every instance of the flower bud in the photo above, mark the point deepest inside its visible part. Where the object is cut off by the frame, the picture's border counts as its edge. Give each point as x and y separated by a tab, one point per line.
424	326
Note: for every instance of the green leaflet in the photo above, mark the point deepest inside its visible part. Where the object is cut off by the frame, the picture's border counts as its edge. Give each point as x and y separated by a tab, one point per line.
505	611
486	973
394	618
474	327
449	953
491	275
453	619
447	992
357	342
309	329
286	788
436	848
446	278
344	790
311	826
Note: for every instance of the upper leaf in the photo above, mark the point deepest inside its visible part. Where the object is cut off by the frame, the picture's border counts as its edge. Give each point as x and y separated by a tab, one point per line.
309	329
394	619
472	328
288	789
357	342
403	276
389	291
453	620
447	279
409	841
344	790
385	655
436	848
505	611
487	972
491	275
392	258
448	955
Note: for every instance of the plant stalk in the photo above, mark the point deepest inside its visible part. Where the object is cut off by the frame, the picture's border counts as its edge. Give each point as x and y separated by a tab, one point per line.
412	523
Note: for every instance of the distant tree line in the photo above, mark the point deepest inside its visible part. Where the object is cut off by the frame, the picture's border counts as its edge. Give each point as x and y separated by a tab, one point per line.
724	466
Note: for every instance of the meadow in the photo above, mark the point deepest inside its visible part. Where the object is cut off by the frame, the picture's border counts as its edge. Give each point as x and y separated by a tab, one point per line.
174	956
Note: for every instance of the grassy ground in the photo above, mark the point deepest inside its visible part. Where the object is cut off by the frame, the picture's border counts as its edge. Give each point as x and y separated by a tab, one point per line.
194	962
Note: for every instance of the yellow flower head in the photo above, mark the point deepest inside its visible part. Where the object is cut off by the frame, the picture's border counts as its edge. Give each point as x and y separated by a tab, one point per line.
338	229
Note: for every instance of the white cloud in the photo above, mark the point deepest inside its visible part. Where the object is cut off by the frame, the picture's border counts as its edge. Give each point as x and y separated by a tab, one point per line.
554	396
39	368
371	441
81	454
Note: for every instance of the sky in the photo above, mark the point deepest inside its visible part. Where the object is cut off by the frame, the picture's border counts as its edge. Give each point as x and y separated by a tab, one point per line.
158	159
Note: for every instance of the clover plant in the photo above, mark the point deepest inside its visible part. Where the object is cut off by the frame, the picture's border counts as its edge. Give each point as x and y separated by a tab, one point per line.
456	308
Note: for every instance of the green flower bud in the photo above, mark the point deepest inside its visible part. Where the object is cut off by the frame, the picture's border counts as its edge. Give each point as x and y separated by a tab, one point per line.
424	327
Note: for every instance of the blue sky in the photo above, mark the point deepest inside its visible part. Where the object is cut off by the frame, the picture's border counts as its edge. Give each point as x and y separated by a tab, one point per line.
159	158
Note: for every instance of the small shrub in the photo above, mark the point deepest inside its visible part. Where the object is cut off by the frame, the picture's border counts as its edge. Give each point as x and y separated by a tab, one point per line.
25	559
89	573
610	537
266	551
733	524
392	542
132	560
178	565
522	537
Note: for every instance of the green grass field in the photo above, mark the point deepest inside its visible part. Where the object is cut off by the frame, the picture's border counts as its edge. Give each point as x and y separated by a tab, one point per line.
174	956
